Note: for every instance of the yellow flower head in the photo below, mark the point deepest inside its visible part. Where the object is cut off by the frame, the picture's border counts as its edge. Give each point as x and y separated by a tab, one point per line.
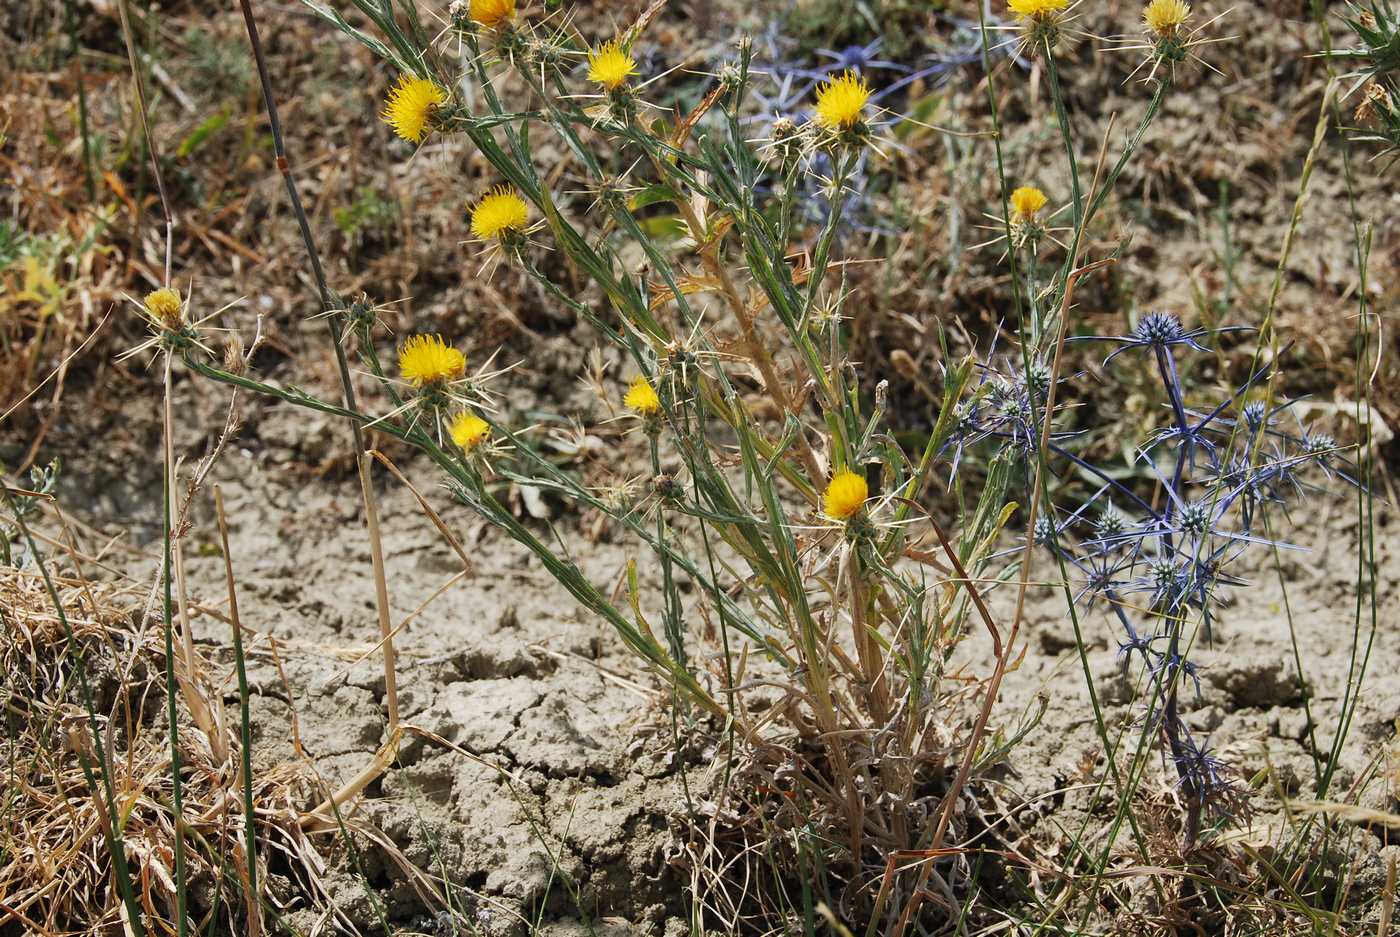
427	360
1164	18
841	101
1036	9
499	212
641	397
845	495
610	66
1027	201
164	305
469	430
410	107
491	12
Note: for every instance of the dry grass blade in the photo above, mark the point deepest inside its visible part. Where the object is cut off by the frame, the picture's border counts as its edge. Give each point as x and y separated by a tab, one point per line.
1352	813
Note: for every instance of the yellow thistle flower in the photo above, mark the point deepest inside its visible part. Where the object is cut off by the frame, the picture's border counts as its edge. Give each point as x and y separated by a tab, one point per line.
1036	9
410	107
1164	18
492	12
427	360
841	101
610	66
845	495
499	212
164	305
641	397
469	430
1027	201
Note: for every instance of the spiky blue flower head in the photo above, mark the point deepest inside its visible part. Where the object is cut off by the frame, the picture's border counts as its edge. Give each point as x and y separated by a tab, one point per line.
1195	518
1110	524
1256	415
1157	332
1017	409
1159	329
1319	445
1169	585
1038	377
1163	574
1044	531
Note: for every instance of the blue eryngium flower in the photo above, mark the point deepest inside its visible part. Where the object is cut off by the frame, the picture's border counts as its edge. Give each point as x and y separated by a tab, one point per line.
1157	330
1162	564
1256	415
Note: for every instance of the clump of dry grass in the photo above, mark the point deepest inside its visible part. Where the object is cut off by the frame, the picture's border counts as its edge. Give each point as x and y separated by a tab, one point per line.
57	874
56	870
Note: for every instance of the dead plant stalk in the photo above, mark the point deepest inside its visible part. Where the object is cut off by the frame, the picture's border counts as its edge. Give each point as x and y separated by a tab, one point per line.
328	305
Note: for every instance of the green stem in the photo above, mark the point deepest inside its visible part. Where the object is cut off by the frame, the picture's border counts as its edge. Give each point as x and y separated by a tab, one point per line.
1052	71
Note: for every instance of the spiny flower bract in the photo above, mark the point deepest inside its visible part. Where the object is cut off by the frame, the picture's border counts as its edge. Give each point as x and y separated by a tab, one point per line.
468	430
610	66
845	494
841	101
1164	18
427	360
499	213
1036	9
164	305
410	105
1027	201
491	12
641	397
